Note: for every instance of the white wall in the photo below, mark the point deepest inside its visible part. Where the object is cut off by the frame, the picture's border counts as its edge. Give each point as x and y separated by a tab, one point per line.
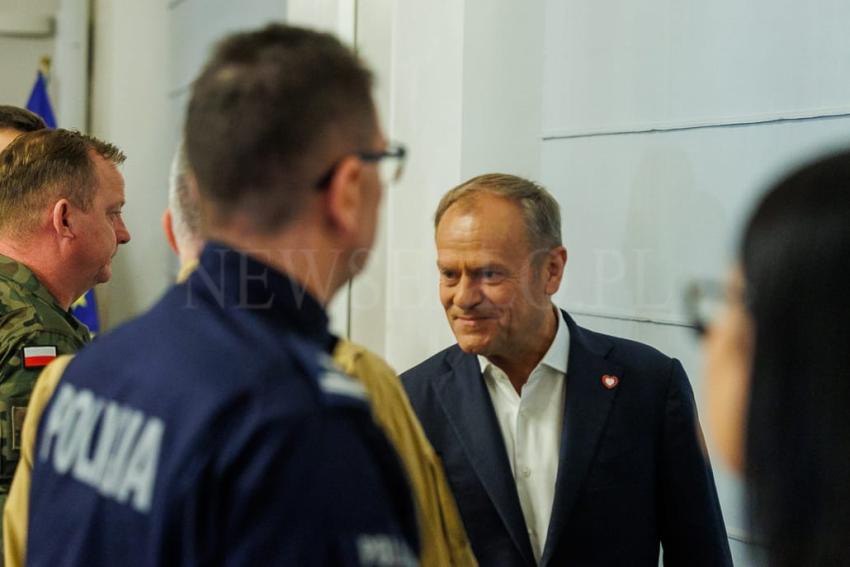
661	123
130	108
426	114
69	77
67	46
373	40
20	52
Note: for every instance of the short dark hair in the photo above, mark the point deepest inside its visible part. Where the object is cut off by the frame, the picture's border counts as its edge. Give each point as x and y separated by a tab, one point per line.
271	112
182	201
44	165
540	210
796	262
21	119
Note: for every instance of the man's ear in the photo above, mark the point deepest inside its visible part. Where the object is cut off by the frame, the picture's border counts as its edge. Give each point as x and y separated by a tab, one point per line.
553	266
344	195
61	217
168	229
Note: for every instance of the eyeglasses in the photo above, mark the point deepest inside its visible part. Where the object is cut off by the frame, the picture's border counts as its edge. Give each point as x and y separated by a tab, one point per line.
705	299
390	162
390	165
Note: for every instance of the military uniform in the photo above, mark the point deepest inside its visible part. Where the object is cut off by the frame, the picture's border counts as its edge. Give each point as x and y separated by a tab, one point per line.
34	329
215	429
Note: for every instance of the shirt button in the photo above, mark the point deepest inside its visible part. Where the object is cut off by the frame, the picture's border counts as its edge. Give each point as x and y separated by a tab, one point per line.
526	472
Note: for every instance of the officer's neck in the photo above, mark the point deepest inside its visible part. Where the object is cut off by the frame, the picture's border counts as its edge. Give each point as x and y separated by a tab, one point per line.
301	252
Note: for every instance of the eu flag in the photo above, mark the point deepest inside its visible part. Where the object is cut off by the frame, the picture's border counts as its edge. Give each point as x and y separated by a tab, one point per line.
39	102
85	308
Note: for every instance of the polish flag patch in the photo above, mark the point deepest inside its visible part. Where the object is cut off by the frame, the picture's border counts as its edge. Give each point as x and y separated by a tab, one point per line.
38	356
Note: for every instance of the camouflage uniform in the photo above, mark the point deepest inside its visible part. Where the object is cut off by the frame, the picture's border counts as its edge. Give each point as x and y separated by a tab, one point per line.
29	317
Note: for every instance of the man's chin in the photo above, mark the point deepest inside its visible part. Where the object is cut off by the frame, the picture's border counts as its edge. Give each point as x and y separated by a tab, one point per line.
472	345
104	275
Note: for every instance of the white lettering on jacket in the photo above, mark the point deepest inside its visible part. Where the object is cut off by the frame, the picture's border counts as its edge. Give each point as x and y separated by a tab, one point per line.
119	459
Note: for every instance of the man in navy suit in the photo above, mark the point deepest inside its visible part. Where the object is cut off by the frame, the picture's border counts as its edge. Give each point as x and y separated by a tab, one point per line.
562	446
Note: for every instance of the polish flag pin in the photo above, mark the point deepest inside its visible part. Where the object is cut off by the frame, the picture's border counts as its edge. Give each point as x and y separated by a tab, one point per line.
610	382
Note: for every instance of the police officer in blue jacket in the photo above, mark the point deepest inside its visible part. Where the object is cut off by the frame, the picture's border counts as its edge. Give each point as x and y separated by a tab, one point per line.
215	429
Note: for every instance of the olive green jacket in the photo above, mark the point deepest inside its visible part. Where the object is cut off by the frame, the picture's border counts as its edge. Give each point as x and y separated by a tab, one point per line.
30	317
443	537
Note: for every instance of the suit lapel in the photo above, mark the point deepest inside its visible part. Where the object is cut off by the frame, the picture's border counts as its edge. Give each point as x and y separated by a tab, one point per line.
586	407
464	397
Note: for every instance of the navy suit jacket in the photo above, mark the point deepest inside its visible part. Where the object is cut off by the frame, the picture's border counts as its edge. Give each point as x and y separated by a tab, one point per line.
633	472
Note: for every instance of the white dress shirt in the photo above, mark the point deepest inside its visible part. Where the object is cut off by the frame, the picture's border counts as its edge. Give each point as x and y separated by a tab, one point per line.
531	428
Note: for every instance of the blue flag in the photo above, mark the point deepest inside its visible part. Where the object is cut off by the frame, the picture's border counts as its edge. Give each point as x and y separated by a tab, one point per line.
39	102
85	308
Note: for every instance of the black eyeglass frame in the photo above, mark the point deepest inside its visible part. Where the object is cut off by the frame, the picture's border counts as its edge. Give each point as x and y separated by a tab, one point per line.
713	289
393	151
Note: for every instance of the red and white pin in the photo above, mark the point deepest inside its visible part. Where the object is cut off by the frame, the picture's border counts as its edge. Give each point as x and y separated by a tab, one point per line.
38	356
610	381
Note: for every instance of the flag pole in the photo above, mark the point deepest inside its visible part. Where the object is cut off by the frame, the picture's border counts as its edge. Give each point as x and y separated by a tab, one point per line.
44	66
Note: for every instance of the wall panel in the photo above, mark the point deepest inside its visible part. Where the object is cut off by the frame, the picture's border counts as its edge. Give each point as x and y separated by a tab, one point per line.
616	65
662	123
645	213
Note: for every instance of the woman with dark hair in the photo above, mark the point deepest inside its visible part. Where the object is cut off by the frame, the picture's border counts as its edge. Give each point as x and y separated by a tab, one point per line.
778	362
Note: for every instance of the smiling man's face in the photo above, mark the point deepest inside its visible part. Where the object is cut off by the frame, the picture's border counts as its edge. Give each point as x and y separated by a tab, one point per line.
493	295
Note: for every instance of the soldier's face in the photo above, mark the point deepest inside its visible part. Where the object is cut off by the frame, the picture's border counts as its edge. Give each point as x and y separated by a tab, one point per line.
102	229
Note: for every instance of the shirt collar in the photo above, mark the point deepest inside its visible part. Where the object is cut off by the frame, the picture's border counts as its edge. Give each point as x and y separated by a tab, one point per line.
236	280
557	355
20	274
559	351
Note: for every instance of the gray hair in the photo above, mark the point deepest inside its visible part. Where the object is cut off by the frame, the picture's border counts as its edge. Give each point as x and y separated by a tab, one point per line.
540	210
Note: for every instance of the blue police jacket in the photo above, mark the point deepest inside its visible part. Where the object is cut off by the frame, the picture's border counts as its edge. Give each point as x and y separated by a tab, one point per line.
215	430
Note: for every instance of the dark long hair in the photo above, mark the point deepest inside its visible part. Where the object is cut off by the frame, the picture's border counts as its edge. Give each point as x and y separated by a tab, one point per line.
796	260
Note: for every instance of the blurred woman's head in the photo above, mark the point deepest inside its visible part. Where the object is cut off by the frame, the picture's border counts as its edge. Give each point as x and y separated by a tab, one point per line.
785	338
